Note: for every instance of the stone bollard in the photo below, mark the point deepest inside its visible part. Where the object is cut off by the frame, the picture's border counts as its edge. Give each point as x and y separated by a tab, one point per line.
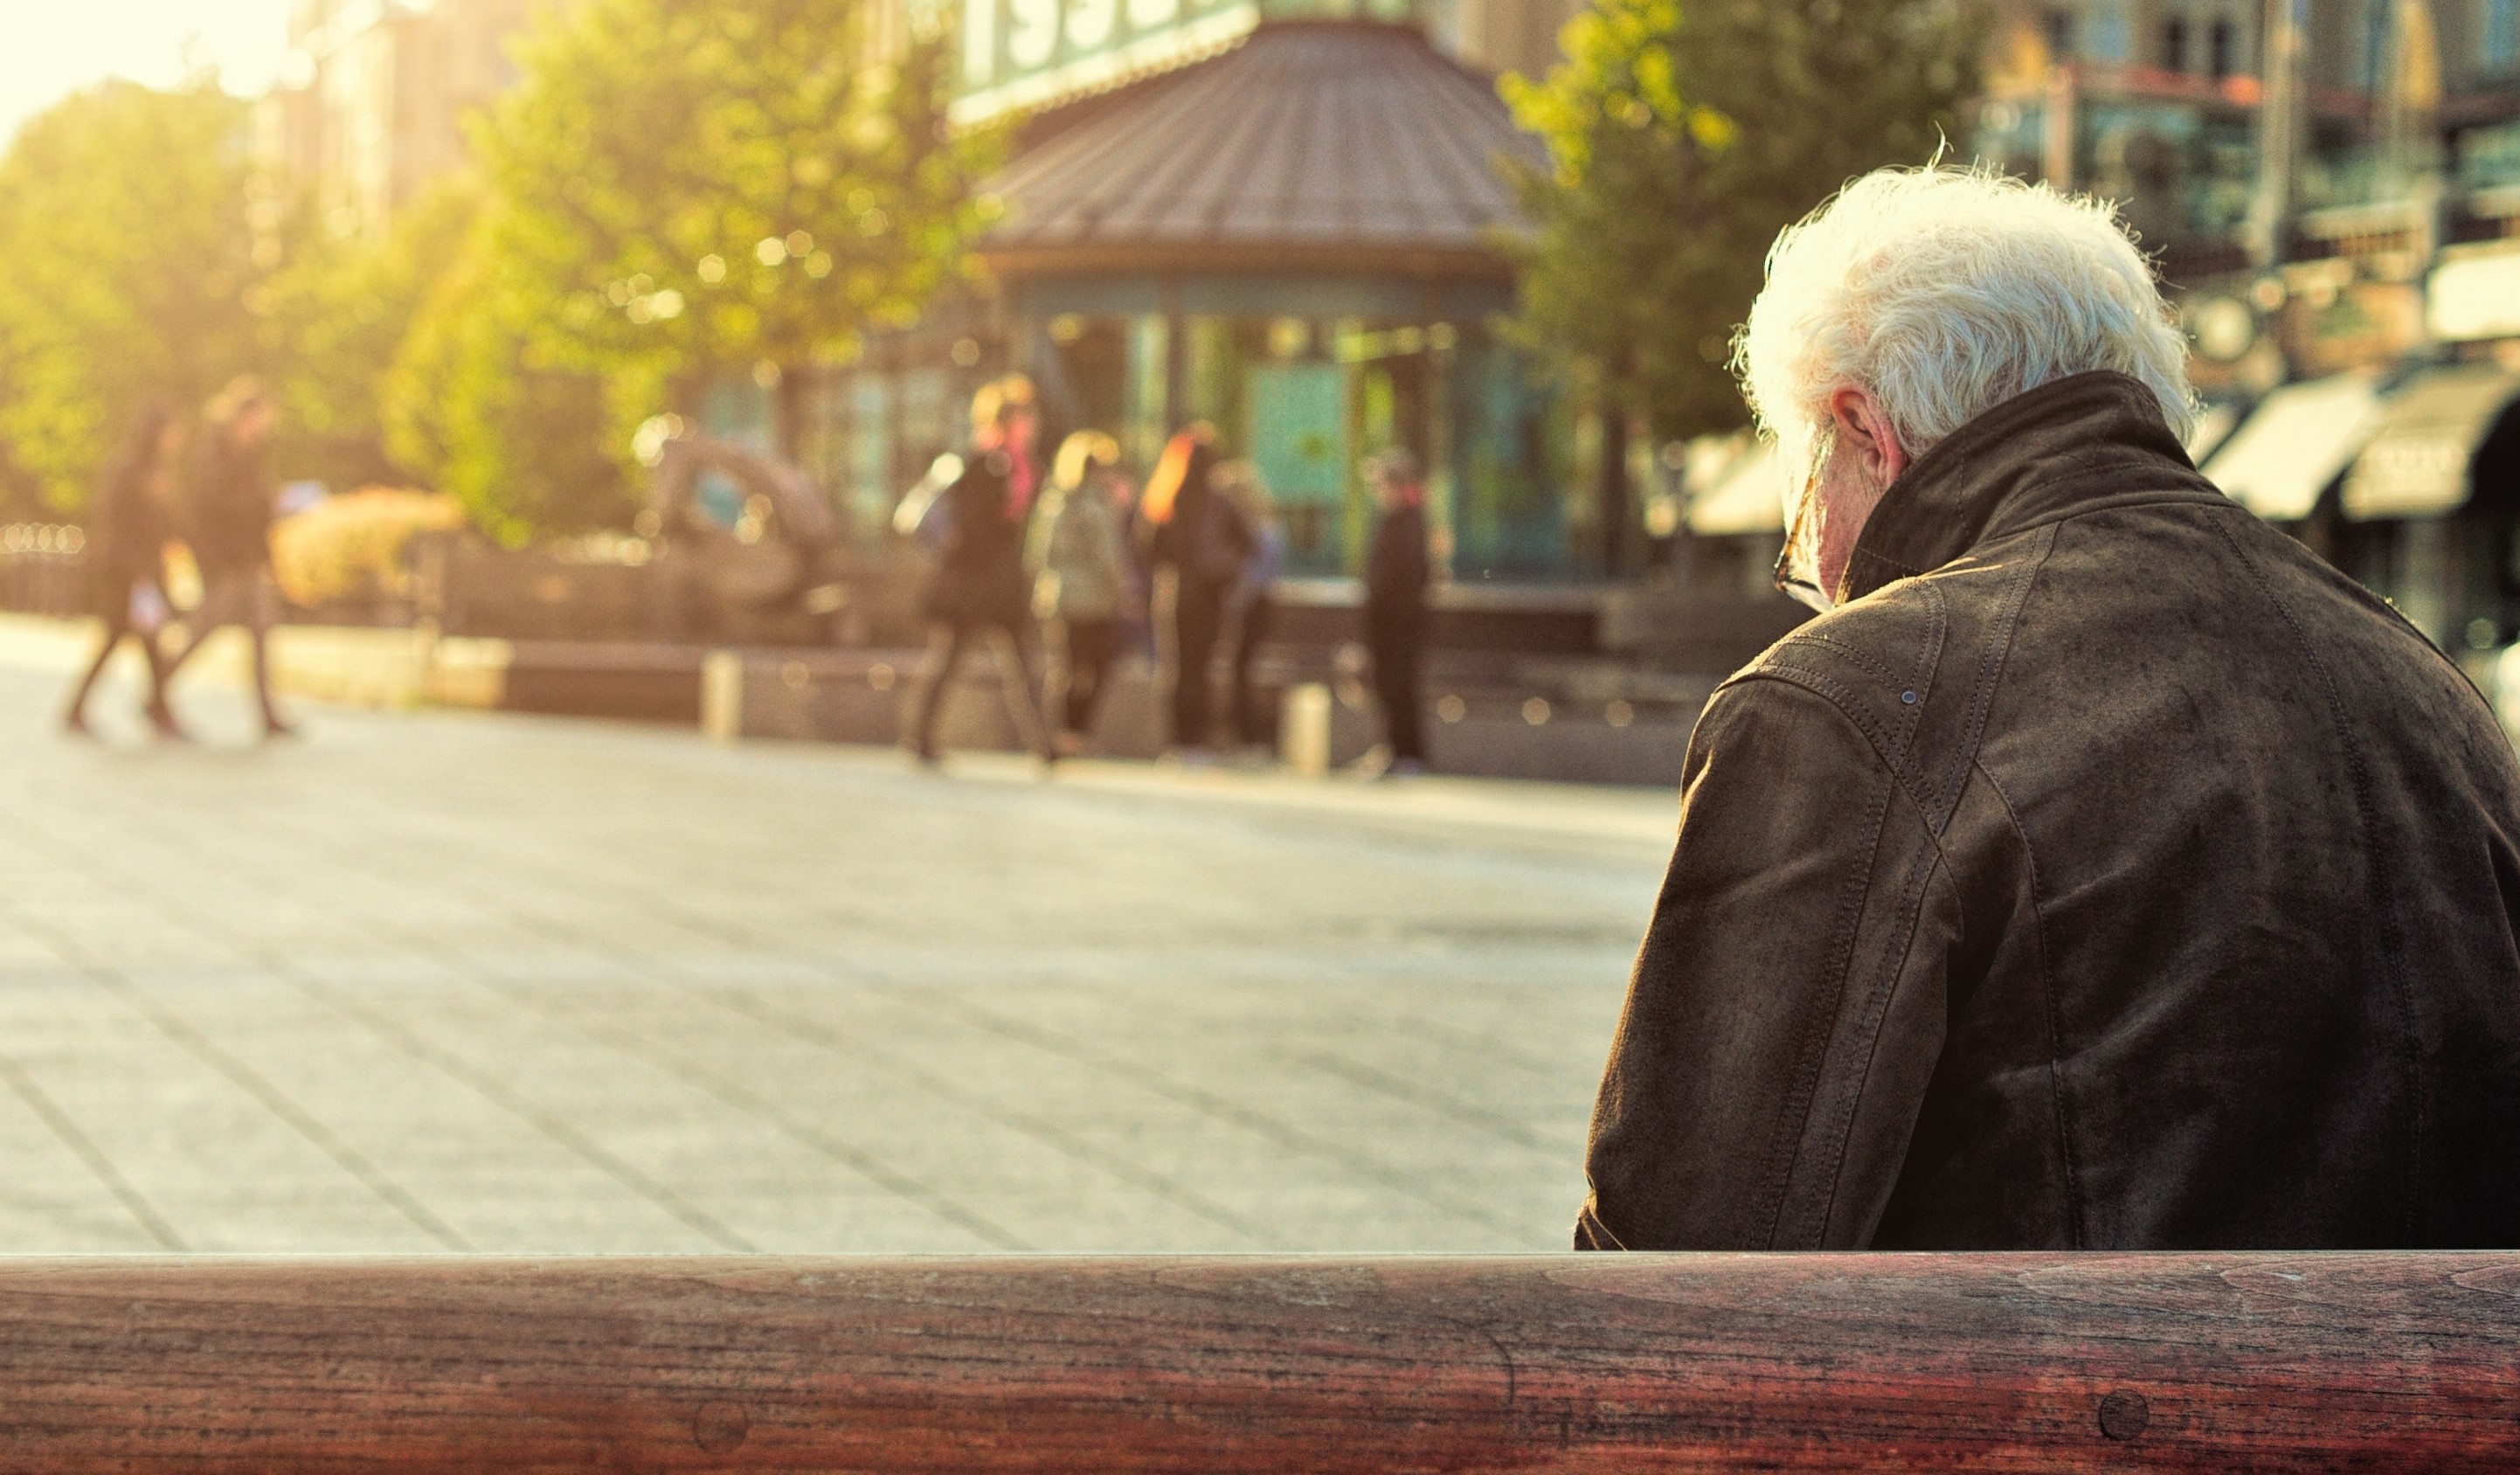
1304	730
722	695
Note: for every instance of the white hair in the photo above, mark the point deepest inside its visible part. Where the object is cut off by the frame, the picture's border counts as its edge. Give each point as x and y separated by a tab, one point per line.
1943	293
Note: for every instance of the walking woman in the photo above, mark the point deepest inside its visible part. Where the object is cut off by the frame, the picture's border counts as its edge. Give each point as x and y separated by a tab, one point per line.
1083	584
980	588
126	540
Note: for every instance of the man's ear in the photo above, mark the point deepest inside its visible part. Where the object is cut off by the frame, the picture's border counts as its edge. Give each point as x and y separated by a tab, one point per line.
1865	431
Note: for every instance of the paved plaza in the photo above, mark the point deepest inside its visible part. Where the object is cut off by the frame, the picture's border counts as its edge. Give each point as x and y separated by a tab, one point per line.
463	982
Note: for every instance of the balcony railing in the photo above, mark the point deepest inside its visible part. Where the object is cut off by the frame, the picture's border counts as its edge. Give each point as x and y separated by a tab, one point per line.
2169	1362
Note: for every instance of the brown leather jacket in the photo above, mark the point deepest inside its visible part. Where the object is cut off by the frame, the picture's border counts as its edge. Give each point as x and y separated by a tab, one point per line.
2107	871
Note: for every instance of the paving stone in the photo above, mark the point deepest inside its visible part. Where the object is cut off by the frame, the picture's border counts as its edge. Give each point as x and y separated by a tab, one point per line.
441	981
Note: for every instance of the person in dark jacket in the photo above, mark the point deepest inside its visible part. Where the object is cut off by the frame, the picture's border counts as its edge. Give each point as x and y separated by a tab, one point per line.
2103	870
980	588
229	507
1254	600
126	540
1395	607
1196	534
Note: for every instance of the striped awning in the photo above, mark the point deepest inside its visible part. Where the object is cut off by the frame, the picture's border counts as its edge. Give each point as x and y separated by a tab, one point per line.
2296	442
2416	462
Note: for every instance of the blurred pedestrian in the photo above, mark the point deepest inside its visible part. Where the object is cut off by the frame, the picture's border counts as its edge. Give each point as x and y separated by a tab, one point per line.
1395	606
980	588
126	541
228	509
1254	601
1196	535
1083	584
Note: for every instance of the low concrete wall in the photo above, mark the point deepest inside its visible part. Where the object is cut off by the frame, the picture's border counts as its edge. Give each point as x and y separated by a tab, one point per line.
1474	727
863	698
357	667
402	668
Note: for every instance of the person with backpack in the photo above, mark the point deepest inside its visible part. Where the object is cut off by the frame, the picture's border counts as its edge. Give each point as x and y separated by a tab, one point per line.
980	588
1194	532
127	538
1083	584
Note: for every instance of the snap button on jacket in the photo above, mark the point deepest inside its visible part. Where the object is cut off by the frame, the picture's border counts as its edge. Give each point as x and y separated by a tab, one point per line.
2107	871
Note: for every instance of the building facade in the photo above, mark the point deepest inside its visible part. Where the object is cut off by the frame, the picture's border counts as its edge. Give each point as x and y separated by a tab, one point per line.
2334	188
373	97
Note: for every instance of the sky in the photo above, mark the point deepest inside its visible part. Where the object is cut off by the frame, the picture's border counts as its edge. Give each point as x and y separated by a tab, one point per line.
65	45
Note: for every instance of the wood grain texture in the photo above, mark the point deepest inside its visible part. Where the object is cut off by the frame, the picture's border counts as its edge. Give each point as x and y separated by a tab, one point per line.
1610	1363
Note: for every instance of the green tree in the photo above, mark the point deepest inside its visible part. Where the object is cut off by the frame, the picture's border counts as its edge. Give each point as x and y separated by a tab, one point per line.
1682	136
474	405
702	187
129	264
336	316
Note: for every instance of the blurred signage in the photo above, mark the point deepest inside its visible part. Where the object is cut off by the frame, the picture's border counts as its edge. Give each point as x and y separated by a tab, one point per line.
1020	54
2475	294
2331	326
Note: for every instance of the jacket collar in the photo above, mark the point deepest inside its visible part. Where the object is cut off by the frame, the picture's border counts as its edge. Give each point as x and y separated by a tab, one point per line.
2060	449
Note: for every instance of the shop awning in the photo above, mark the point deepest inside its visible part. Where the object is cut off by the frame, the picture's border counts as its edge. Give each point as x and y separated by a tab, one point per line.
2214	425
2295	444
1741	492
2416	465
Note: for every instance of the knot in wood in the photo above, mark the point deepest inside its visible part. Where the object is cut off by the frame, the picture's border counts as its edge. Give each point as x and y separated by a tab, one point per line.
720	1427
2125	1416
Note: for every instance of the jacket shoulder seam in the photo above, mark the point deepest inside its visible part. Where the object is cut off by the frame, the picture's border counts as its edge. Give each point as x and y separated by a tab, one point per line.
1874	736
1990	672
1861	657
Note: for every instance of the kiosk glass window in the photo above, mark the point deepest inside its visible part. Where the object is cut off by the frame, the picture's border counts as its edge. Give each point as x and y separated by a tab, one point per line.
1306	400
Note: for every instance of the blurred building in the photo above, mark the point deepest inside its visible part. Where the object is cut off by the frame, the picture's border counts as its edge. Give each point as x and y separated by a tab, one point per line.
371	98
2161	105
2332	189
1279	217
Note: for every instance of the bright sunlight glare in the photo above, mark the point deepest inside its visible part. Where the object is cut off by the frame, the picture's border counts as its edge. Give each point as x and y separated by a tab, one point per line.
58	49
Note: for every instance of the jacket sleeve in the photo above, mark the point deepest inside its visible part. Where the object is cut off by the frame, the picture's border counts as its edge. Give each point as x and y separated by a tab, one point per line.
1784	1017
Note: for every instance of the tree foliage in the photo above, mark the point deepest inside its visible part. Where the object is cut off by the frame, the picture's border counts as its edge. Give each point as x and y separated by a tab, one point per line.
127	265
473	404
1682	136
337	313
698	187
677	191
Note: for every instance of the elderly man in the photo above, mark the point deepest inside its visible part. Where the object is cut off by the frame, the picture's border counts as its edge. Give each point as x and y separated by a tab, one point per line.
2100	869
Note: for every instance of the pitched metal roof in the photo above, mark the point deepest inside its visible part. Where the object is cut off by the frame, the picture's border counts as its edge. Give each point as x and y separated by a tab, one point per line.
1346	147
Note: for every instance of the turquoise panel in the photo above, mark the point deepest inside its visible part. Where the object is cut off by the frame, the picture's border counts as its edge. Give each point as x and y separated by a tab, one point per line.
1299	430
